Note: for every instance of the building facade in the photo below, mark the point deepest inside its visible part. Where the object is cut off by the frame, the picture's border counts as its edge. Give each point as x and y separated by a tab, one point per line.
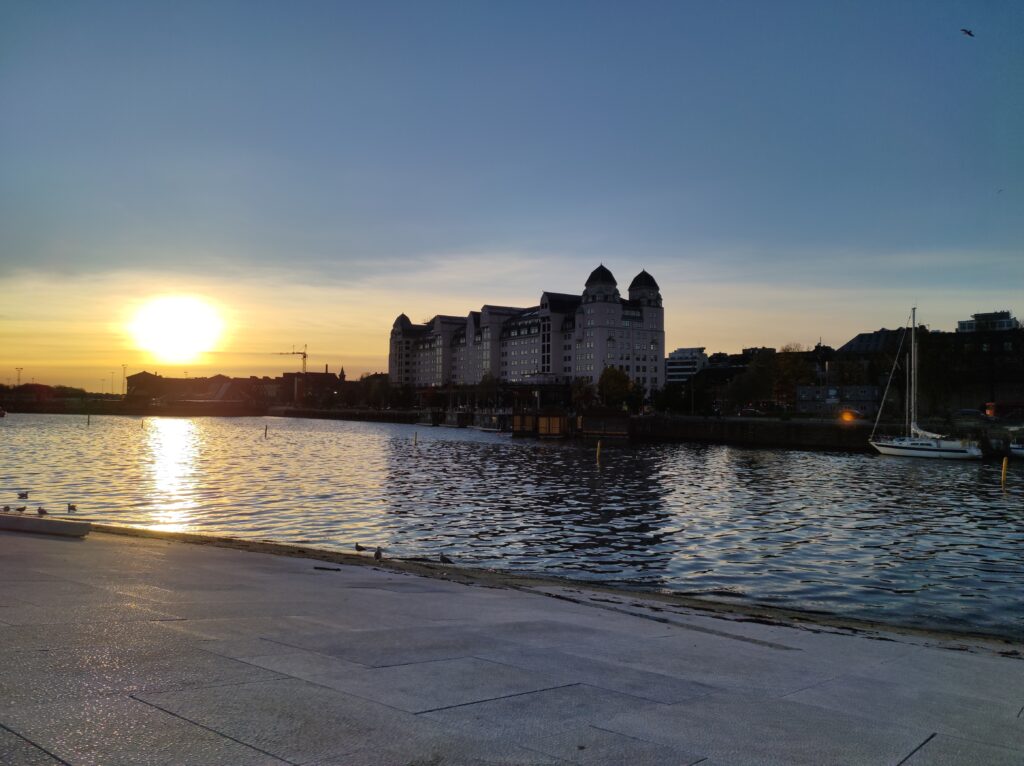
992	321
563	338
683	363
827	401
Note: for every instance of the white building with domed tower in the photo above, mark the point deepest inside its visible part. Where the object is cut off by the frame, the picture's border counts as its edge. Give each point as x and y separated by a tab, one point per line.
564	337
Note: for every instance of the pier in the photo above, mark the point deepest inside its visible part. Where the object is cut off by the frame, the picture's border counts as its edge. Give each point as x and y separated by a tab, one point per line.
122	650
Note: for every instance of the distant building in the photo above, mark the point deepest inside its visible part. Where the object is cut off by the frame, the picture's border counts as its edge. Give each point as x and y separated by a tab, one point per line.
876	342
147	387
827	401
995	320
564	337
683	363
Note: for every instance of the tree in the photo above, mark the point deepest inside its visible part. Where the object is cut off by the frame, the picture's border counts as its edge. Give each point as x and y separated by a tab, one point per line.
792	367
672	398
487	389
582	394
754	384
613	387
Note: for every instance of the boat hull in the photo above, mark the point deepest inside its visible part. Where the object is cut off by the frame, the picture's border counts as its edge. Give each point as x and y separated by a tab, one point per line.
935	452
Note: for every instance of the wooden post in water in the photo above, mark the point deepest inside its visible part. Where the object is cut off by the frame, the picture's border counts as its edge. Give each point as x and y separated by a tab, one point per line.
1006	462
599	452
265	428
88	419
415	434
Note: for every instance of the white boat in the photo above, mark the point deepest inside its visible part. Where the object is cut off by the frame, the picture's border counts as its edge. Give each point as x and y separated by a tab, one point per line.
918	442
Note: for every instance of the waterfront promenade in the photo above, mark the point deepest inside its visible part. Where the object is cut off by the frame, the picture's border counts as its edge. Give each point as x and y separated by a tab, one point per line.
122	650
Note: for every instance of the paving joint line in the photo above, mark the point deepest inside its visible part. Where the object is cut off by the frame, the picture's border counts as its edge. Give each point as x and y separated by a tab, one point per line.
37	746
641	739
810	686
604	688
494	699
655	618
911	753
213	731
345	692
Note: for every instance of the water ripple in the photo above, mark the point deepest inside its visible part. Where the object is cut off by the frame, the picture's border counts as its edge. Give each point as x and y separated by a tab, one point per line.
911	542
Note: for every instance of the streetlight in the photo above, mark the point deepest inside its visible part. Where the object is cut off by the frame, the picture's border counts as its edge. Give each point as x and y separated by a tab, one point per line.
124	380
19	369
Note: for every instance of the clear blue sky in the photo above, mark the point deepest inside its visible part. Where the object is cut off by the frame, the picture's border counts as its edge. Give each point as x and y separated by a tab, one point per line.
794	145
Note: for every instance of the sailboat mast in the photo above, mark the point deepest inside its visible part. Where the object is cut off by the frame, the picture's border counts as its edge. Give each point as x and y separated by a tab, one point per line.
913	378
906	395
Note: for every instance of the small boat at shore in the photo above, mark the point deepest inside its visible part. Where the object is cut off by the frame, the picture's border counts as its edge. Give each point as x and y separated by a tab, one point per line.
918	442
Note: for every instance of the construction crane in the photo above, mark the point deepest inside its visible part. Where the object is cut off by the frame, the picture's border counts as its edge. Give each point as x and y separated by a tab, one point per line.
293	352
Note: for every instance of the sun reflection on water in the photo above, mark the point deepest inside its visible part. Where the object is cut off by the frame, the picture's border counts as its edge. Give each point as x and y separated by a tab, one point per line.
173	449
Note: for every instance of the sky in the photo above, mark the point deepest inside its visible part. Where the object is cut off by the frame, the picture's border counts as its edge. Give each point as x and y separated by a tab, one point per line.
788	171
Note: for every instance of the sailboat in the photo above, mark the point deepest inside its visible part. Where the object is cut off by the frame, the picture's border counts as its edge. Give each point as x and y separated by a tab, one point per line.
918	442
1017	444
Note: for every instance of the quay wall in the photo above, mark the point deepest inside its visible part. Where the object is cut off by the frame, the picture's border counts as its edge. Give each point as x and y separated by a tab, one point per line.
753	432
377	416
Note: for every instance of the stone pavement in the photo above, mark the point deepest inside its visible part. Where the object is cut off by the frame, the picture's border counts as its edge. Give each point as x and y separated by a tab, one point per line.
119	650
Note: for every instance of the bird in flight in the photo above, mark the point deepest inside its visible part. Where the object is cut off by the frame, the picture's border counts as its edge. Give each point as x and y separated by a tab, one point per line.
967	32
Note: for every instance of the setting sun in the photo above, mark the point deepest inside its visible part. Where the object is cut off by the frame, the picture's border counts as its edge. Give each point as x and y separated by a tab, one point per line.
176	328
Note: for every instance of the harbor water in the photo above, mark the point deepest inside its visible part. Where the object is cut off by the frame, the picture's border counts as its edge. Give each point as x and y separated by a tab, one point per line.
919	543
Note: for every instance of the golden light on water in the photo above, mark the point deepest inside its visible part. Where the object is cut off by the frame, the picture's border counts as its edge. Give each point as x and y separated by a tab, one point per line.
173	449
176	328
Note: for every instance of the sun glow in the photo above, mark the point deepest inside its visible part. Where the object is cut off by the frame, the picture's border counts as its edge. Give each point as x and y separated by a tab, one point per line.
176	328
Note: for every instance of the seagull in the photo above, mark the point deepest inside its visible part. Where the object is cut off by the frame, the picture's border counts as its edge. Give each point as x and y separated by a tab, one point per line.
378	554
7	509
360	547
72	507
41	511
967	32
23	495
20	509
445	560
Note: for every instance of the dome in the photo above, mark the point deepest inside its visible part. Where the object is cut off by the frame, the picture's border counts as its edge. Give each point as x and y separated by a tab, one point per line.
642	281
402	323
601	276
